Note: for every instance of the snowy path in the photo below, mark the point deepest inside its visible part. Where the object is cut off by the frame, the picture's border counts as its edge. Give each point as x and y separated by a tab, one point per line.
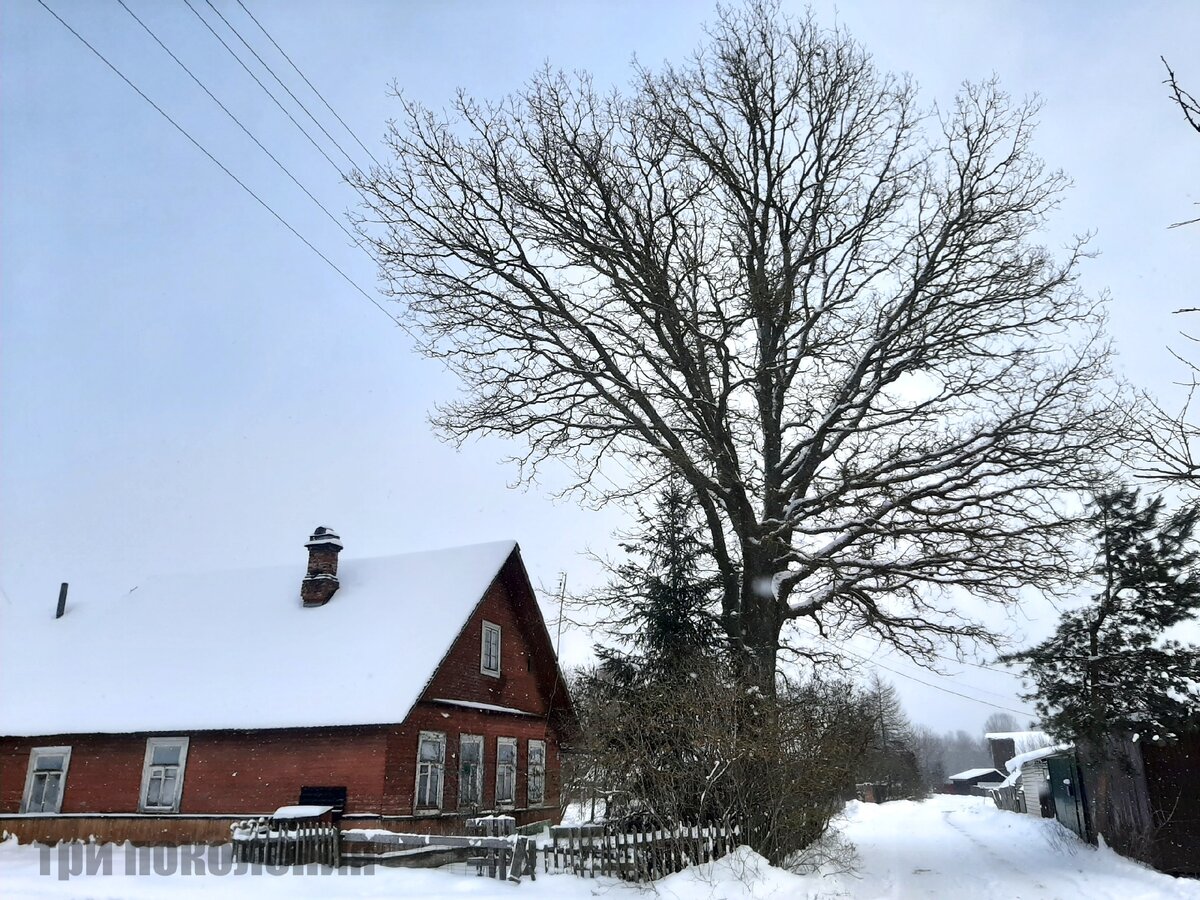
946	847
965	847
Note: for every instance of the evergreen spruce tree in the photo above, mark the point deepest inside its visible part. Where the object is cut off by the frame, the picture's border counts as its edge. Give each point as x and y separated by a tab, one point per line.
662	596
1107	667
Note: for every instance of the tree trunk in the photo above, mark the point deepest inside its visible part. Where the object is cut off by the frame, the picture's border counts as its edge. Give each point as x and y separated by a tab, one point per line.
757	641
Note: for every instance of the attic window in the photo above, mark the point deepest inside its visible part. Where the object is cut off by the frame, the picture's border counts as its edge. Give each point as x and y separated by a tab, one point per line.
489	651
162	774
47	775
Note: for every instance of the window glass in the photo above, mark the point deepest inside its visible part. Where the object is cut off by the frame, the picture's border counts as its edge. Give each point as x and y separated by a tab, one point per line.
490	653
431	750
536	782
507	752
470	773
52	763
165	755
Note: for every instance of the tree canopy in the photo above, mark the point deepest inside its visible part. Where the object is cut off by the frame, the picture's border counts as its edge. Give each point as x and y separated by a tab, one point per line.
770	271
1107	667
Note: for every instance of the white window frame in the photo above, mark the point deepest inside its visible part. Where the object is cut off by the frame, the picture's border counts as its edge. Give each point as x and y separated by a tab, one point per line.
440	738
34	753
463	740
512	799
532	777
148	774
489	627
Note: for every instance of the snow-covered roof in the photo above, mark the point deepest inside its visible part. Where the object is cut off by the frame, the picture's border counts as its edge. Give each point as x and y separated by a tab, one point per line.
1014	764
975	773
238	650
1023	741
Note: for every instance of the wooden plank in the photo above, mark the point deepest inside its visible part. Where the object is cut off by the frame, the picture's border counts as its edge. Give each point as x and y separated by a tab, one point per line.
409	840
517	869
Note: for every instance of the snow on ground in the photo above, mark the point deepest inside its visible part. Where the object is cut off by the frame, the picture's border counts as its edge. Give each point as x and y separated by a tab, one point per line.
946	847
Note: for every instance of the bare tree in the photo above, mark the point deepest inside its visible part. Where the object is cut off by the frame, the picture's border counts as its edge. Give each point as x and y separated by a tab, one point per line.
1184	100
999	722
676	751
1191	112
768	271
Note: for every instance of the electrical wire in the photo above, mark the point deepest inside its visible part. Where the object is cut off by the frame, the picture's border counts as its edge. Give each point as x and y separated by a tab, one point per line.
349	130
217	162
338	222
264	64
267	90
936	687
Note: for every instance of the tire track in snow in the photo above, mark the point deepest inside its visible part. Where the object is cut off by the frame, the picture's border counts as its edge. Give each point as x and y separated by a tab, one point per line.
1006	863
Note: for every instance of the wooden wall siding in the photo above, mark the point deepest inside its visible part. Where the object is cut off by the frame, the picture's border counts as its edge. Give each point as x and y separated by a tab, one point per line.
142	831
1033	775
1173	782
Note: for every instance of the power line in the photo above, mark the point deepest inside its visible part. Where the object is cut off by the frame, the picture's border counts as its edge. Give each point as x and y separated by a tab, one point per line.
238	122
264	64
232	53
936	687
309	83
217	162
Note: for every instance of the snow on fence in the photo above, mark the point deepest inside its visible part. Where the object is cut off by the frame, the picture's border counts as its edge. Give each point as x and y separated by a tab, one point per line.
294	836
590	850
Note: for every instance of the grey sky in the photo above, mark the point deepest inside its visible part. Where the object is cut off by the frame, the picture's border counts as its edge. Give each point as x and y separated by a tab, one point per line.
186	387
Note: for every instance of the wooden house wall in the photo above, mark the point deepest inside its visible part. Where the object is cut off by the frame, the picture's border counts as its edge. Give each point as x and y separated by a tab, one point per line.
1033	775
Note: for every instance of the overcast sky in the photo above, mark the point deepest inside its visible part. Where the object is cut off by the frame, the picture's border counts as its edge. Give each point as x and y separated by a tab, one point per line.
184	386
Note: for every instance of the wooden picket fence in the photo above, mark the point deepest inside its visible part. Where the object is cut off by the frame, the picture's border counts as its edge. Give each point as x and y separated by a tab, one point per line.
286	842
591	850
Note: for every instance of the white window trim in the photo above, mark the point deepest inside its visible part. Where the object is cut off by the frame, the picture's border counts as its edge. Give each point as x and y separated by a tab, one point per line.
151	743
34	753
529	801
483	670
440	736
511	801
463	740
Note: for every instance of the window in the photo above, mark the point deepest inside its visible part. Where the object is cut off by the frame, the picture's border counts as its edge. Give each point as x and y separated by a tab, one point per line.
506	771
431	765
536	779
162	774
46	779
489	653
470	771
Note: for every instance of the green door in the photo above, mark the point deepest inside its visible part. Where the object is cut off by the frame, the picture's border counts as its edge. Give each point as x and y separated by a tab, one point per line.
1068	794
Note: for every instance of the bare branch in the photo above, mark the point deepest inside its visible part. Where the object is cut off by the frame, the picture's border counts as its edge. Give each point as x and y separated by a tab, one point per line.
769	271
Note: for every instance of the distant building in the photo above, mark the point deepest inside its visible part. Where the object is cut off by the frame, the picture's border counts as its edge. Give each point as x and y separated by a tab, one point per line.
973	781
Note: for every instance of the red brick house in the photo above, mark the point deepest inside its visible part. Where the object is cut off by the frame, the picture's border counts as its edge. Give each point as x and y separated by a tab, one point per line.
421	688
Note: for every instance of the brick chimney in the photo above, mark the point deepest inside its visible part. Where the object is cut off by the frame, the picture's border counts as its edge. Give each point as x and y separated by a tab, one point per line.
321	582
